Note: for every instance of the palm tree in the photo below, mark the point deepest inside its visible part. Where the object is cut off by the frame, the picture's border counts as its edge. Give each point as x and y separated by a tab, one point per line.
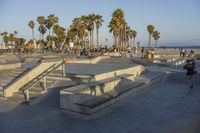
84	25
91	19
31	24
42	29
76	27
118	25
41	21
150	29
113	29
134	33
156	36
11	38
50	22
98	22
53	20
19	43
61	37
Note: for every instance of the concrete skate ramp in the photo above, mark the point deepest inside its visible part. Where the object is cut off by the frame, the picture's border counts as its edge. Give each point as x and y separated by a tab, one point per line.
28	76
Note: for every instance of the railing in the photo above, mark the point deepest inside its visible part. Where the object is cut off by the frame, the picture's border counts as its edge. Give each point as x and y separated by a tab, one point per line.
31	74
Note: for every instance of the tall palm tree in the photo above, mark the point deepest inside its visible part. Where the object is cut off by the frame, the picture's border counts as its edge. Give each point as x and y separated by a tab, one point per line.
50	22
113	29
61	37
118	23
134	33
76	26
84	25
98	22
42	29
31	24
156	36
150	29
41	21
91	19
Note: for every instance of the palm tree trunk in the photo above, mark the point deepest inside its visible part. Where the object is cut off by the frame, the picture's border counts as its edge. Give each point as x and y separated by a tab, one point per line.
49	32
62	46
133	41
149	44
97	37
156	43
90	39
42	37
119	41
84	39
113	37
33	34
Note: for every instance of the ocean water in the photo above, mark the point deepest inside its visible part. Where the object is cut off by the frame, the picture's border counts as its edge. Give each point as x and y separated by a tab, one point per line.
179	47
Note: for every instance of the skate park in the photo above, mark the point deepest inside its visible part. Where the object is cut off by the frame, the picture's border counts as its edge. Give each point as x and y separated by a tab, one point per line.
101	93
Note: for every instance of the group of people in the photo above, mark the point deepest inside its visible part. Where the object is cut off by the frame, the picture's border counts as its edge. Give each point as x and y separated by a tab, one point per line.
146	53
184	53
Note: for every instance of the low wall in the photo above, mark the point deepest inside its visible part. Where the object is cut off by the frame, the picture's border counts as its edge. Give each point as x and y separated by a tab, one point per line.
136	70
172	61
92	61
10	66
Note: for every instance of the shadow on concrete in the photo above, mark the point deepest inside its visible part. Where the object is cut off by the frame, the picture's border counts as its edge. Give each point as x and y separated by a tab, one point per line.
146	113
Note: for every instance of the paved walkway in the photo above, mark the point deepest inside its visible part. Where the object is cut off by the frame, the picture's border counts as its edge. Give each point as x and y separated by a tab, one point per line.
168	107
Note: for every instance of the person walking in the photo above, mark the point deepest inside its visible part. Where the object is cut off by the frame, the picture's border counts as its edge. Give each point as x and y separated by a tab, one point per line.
190	67
142	53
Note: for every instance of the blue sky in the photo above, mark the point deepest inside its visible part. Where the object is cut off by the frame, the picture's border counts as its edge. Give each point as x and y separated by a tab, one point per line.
177	20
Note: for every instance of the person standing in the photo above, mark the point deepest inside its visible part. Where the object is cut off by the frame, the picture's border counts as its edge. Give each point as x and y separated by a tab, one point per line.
190	67
142	53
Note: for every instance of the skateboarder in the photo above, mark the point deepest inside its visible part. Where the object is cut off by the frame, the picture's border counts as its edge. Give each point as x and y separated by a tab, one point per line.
190	67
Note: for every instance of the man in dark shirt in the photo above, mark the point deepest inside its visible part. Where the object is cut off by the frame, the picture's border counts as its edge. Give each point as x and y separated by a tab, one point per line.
190	67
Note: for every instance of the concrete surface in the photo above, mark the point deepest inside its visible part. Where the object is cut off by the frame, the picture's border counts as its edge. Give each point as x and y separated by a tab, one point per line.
168	107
